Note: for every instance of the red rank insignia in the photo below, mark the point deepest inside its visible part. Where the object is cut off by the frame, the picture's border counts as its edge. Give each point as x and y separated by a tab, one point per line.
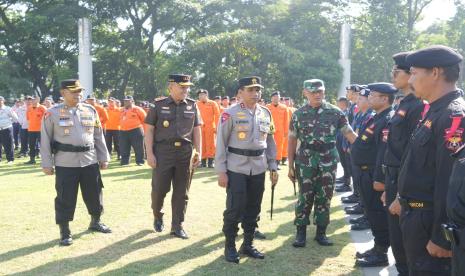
455	140
224	117
385	135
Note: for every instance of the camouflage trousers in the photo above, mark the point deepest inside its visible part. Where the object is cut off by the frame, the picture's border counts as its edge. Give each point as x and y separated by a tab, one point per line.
315	188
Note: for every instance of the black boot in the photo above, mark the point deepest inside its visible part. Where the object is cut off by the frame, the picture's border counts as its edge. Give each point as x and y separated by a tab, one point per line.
96	225
203	164
321	237
230	252
377	256
301	236
371	251
248	249
65	234
210	163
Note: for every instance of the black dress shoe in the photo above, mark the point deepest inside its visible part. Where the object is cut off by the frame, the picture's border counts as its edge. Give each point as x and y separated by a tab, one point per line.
373	260
98	226
357	220
259	235
363	225
355	210
251	251
376	249
30	162
343	188
350	199
158	225
180	233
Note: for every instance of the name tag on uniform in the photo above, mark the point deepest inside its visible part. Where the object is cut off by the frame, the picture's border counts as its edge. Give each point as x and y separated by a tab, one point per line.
88	123
188	112
264	128
166	112
65	123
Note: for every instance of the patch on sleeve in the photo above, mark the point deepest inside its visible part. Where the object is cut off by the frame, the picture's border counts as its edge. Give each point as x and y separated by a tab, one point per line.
453	135
47	114
401	112
224	117
98	124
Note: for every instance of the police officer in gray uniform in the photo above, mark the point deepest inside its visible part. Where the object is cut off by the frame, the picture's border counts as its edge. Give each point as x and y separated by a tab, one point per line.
245	150
72	141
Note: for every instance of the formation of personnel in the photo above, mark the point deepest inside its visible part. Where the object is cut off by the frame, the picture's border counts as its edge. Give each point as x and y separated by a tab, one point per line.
400	145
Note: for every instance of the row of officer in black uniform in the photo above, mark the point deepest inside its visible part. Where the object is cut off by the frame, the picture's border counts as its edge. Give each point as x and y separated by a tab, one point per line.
402	162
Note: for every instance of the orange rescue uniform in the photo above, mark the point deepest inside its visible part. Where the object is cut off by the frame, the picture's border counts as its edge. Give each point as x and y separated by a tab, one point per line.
114	116
290	111
34	116
102	115
281	121
132	118
210	113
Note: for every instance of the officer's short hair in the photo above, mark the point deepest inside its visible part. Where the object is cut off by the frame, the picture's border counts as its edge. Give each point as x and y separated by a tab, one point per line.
451	73
343	99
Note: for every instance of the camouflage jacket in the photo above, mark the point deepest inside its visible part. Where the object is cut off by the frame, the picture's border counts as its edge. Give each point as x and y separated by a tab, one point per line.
315	130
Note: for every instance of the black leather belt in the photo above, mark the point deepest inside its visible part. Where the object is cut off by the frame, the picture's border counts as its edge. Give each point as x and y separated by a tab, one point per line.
246	152
176	143
415	204
71	148
319	147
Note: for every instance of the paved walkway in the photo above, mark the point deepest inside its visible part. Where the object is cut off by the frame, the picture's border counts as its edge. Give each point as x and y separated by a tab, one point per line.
363	240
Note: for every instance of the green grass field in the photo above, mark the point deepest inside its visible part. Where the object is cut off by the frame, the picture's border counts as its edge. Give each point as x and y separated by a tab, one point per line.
29	236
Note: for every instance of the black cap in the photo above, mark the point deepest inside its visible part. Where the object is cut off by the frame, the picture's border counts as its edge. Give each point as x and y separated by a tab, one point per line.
354	87
253	81
90	97
225	98
400	60
382	87
128	98
434	56
111	99
72	85
233	98
275	93
217	98
181	79
364	91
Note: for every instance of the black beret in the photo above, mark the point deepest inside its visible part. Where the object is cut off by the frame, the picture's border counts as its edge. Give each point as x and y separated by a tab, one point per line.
401	61
275	93
253	81
382	87
181	79
434	56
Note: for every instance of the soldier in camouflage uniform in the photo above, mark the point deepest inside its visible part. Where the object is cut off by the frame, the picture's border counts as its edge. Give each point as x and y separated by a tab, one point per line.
314	127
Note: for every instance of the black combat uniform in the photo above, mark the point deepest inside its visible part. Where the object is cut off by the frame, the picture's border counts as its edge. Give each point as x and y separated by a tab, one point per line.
403	122
425	170
456	213
368	154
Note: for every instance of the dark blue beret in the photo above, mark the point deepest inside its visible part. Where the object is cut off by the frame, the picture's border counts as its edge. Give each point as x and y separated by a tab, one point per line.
400	59
382	87
364	91
434	56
